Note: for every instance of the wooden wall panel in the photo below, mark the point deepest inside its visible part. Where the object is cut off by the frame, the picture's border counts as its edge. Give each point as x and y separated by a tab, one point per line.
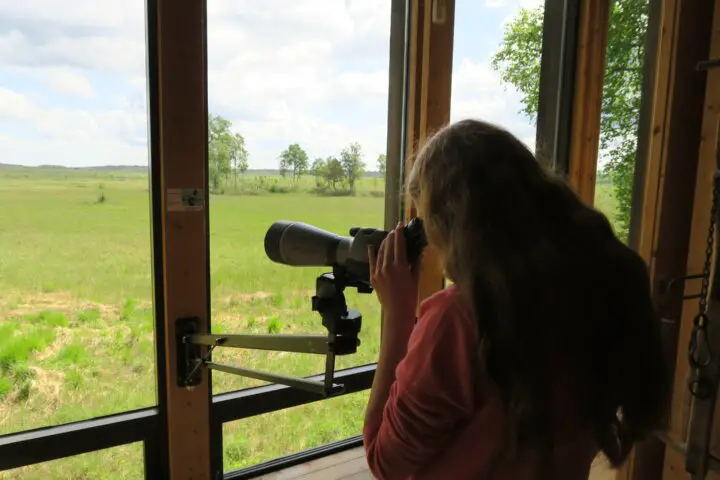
665	177
666	166
708	142
665	183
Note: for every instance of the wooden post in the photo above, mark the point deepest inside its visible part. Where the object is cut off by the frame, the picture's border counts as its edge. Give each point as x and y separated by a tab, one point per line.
649	167
183	149
396	106
647	199
587	103
429	92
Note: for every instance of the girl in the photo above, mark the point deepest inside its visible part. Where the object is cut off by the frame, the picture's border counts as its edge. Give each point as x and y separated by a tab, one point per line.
544	351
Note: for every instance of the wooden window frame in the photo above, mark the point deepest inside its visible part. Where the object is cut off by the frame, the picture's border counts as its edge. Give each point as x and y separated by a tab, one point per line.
418	102
147	425
571	83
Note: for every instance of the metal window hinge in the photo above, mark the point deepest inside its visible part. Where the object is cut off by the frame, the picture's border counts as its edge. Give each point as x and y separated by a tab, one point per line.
439	12
708	64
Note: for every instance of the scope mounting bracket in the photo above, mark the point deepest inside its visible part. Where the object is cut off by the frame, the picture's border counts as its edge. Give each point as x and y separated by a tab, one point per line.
343	326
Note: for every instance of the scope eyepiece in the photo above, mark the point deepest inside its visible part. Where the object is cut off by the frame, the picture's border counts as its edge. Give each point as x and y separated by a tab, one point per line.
415	239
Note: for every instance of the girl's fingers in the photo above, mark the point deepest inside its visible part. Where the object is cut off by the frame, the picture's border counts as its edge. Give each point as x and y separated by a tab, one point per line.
400	253
380	258
389	245
372	257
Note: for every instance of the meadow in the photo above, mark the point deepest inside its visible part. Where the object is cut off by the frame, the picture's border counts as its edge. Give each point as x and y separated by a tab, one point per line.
76	320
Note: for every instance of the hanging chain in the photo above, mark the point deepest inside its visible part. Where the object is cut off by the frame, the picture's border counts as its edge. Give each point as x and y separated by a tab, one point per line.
699	352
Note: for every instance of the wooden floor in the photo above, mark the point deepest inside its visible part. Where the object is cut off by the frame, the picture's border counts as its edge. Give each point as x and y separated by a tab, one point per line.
347	465
351	465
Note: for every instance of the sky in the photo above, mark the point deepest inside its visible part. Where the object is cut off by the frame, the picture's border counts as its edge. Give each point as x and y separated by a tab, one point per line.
313	72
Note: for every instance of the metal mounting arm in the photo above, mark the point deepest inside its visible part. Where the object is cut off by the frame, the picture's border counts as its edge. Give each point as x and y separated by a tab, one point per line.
343	326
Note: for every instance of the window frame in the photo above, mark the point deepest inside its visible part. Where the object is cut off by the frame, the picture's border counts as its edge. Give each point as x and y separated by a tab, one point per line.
570	96
144	425
245	403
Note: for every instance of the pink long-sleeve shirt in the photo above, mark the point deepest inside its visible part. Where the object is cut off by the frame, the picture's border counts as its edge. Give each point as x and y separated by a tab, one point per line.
444	418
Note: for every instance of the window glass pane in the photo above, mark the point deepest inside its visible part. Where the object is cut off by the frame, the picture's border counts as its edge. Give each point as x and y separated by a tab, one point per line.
304	81
496	63
622	89
76	330
119	463
264	437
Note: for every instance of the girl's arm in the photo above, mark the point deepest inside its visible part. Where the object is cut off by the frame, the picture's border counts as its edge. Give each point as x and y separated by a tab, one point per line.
422	399
393	347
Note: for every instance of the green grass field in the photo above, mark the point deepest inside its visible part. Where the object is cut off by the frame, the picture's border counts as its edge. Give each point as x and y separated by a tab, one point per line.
76	323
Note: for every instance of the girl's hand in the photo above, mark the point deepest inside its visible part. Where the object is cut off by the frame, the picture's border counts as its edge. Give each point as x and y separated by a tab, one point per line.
395	284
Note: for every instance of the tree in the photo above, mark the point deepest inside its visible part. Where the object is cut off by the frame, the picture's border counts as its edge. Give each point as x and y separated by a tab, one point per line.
352	164
334	172
319	170
294	161
381	164
284	166
239	155
518	62
226	151
218	149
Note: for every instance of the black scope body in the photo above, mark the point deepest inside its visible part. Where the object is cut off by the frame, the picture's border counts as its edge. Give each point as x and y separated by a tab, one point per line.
301	245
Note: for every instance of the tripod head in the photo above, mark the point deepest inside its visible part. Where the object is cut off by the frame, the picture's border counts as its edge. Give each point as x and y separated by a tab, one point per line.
329	301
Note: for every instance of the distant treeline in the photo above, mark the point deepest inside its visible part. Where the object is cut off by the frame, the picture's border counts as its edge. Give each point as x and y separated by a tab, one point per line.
602	178
268	172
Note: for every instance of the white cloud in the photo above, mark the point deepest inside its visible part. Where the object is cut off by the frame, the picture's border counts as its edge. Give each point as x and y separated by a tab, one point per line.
72	136
78	13
307	71
514	4
67	81
297	83
479	93
13	105
72	123
95	151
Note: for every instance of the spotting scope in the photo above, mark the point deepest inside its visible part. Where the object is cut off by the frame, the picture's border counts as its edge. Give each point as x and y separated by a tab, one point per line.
302	245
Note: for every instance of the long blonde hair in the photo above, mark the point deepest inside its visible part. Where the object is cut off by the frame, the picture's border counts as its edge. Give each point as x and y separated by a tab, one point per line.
549	284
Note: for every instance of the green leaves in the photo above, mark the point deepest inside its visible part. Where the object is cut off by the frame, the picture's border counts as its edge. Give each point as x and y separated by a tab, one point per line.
382	164
226	150
518	62
352	164
334	173
294	161
518	59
